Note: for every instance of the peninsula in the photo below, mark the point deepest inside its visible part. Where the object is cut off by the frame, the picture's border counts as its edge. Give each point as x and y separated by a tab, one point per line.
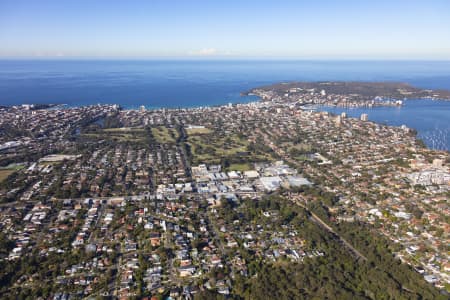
219	202
346	94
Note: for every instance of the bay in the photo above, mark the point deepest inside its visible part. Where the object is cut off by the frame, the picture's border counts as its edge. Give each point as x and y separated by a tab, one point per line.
430	118
193	83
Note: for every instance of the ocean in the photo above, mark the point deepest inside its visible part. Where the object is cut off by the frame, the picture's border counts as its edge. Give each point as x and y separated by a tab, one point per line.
193	83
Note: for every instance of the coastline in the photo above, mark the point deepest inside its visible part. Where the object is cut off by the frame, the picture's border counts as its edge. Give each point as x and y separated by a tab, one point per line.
256	98
356	111
410	115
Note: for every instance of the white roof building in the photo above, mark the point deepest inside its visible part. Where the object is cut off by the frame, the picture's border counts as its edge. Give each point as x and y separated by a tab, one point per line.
270	183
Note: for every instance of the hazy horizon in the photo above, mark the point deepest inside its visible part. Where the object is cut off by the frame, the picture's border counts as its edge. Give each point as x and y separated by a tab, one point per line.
323	30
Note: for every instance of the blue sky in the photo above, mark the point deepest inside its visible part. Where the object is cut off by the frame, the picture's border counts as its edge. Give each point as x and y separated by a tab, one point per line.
347	29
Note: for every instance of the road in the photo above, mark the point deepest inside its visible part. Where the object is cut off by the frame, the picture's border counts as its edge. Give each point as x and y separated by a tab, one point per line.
324	225
297	201
181	143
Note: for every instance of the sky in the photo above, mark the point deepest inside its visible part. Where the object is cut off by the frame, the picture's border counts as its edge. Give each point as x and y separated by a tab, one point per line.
329	29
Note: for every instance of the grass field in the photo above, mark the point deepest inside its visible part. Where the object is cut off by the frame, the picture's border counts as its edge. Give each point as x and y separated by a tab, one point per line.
300	146
4	173
123	134
210	148
297	151
8	170
194	131
240	167
165	135
14	167
124	130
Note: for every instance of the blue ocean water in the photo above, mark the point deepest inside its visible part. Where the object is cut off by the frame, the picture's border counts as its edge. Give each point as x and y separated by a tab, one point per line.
189	83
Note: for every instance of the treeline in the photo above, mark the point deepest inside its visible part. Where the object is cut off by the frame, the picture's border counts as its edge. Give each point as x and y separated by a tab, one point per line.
337	274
